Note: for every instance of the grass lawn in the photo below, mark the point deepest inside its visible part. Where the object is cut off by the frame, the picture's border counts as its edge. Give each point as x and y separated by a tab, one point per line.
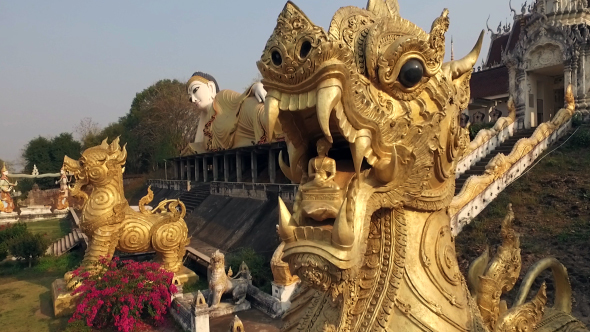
25	293
54	228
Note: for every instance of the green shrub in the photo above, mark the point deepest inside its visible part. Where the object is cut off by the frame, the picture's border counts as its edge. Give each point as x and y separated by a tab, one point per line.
28	246
577	120
78	326
200	284
258	265
581	139
3	251
9	232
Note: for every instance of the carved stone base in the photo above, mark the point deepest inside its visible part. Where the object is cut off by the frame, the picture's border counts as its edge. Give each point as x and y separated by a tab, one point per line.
61	212
8	217
36	210
64	304
283	293
185	276
226	308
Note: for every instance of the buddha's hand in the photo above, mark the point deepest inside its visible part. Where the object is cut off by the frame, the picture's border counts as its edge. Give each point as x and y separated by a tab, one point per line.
259	92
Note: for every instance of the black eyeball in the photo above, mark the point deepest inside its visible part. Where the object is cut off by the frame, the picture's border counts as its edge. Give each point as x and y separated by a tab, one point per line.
411	73
276	58
305	49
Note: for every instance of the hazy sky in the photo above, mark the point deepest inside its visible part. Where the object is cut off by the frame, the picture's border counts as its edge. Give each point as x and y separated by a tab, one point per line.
61	61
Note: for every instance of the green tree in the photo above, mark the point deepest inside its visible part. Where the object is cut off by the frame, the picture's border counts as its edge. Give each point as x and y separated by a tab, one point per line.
159	125
48	155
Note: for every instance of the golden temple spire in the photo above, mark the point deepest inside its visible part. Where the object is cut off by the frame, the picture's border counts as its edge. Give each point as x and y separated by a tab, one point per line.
452	50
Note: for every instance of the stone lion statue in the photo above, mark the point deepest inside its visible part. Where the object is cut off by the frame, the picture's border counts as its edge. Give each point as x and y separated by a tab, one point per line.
221	283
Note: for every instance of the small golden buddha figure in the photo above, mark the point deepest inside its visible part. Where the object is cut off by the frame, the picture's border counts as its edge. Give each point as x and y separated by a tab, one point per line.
322	169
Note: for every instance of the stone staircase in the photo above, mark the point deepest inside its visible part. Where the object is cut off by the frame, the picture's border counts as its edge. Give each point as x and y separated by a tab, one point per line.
480	167
66	243
193	198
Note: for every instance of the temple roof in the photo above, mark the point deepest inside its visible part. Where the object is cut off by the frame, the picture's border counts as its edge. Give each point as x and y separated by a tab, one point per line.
490	82
501	43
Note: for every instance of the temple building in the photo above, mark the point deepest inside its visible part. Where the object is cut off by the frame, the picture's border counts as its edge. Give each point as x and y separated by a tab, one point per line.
533	59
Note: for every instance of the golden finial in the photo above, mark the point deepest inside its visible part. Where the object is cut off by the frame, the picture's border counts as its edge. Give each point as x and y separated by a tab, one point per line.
452	50
4	167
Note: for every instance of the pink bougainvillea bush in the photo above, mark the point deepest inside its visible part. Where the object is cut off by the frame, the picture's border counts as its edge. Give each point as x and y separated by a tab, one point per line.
123	294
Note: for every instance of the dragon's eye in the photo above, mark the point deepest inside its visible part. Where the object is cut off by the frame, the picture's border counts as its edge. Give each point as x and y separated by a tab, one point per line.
411	73
276	58
305	49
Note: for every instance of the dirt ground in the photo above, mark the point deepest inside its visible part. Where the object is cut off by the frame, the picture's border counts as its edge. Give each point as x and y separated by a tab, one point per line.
552	209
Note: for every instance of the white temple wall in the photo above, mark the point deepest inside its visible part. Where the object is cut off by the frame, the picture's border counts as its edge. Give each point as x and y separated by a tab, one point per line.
530	115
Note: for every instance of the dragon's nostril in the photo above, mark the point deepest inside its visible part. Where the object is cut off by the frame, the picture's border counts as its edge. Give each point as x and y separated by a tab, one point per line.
276	58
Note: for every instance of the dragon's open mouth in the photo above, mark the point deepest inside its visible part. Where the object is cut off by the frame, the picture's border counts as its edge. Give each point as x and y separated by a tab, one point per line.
323	221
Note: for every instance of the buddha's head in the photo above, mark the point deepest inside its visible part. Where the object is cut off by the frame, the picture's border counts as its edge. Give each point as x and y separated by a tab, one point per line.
323	146
202	89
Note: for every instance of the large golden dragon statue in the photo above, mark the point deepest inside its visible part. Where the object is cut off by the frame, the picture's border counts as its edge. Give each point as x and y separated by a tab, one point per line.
111	224
370	234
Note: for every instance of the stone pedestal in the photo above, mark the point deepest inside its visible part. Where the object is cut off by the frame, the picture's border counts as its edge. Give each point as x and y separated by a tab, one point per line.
36	210
226	308
61	213
8	217
64	304
283	293
185	276
201	321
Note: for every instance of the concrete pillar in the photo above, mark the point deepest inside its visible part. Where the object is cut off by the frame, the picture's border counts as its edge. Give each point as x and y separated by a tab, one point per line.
196	169
283	293
226	166
582	75
238	166
189	171
200	314
567	77
205	170
182	170
272	168
574	77
215	169
254	164
521	101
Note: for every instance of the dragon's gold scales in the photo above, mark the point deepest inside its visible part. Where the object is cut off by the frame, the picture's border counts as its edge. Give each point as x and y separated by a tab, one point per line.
111	224
376	84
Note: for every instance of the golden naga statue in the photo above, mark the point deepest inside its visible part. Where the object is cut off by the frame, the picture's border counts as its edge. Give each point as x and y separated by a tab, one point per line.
375	87
111	224
228	119
6	202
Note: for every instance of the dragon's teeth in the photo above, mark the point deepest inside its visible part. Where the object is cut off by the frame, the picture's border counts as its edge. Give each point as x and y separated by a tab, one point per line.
271	111
328	98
